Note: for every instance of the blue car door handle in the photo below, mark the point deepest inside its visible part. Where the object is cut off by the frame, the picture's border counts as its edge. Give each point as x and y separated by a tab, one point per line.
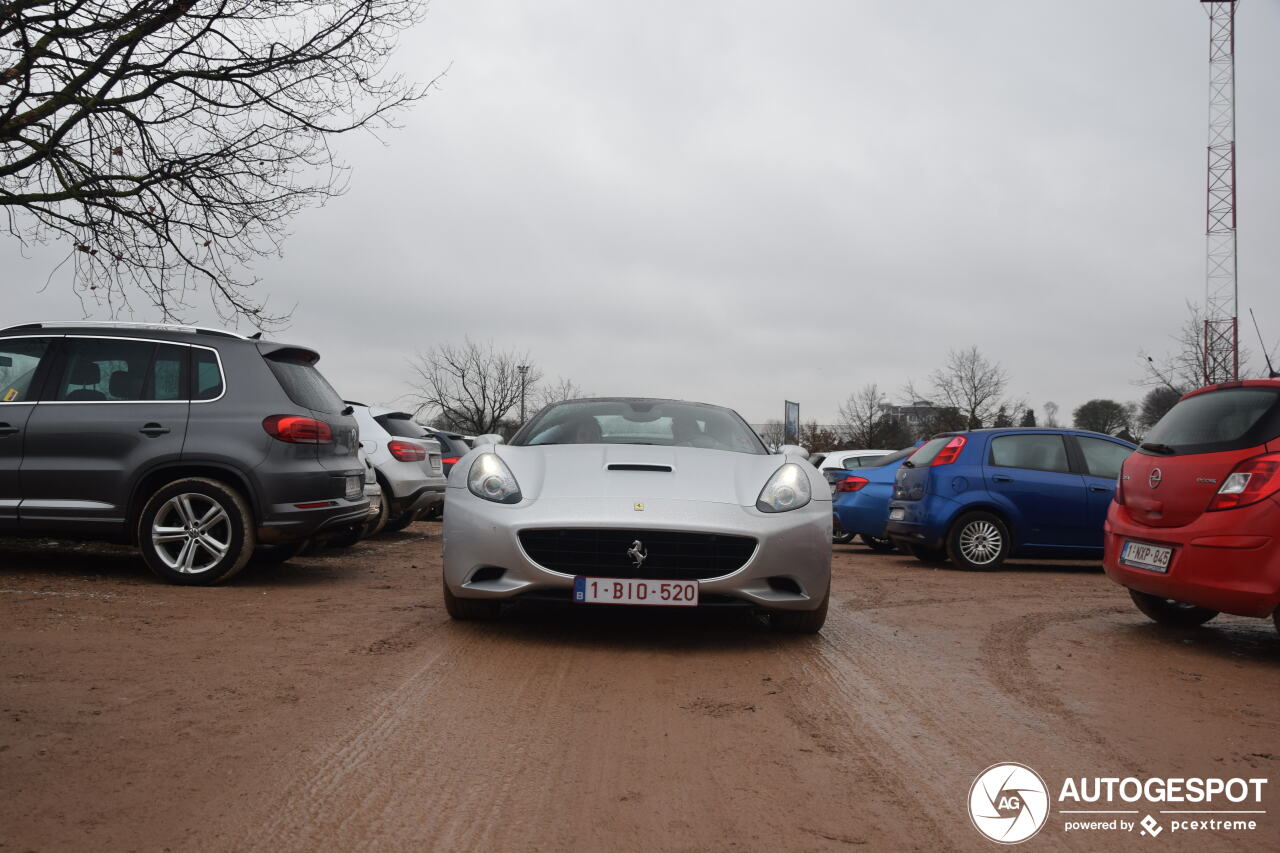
1100	488
1001	478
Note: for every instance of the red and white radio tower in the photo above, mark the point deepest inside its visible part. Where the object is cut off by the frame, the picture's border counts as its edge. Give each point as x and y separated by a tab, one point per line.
1221	325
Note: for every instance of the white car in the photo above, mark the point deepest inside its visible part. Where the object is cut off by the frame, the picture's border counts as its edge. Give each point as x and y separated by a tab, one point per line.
849	459
407	462
625	501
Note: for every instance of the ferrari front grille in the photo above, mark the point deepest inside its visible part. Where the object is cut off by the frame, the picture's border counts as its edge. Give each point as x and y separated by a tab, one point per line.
653	554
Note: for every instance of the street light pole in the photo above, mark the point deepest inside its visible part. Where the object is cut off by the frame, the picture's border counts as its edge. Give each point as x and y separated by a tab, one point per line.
524	377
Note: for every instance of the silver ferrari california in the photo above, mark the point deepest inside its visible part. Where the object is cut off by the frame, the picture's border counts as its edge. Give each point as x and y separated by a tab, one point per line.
622	501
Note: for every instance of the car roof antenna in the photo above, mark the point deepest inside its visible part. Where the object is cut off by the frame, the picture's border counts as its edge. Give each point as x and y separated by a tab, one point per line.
1271	371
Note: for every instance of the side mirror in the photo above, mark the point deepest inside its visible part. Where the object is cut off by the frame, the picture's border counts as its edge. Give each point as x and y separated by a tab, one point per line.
489	438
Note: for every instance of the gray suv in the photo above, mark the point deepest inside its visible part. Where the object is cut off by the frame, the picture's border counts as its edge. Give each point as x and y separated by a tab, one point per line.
197	445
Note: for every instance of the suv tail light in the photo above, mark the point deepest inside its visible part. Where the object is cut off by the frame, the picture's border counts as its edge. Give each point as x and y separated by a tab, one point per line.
406	451
1251	481
851	484
450	460
298	430
950	453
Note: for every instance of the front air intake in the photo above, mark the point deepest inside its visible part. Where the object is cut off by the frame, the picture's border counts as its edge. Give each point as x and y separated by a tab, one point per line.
653	554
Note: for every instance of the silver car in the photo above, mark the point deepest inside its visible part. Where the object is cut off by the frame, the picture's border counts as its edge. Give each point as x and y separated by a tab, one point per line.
630	501
407	462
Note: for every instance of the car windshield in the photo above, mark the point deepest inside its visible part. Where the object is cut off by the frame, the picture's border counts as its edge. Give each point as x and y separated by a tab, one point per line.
660	422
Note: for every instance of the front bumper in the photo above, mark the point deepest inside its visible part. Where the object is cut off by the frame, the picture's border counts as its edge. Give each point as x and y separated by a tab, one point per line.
795	546
1227	561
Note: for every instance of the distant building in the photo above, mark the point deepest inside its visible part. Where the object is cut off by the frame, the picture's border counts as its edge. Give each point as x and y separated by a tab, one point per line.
918	413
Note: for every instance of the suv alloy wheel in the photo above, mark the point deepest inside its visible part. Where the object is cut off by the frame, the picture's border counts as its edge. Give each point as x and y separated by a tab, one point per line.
196	531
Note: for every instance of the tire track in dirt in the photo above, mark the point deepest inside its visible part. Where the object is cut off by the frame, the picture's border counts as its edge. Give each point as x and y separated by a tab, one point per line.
1006	657
928	748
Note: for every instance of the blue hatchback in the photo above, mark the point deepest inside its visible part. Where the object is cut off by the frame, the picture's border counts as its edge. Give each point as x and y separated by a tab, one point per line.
979	496
860	499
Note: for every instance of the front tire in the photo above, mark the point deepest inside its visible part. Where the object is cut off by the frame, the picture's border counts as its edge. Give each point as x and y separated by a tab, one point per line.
471	609
801	621
979	542
1166	611
196	531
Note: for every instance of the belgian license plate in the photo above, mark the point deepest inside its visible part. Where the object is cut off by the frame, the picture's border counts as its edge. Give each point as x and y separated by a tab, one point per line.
1144	556
897	514
355	487
629	591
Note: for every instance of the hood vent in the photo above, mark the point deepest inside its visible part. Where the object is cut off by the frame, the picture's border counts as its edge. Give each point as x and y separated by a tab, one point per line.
629	467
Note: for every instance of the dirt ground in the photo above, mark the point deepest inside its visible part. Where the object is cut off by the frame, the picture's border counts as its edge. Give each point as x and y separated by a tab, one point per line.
330	704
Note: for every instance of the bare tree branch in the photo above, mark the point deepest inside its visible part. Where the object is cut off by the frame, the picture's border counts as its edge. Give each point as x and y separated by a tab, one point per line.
471	388
168	142
972	385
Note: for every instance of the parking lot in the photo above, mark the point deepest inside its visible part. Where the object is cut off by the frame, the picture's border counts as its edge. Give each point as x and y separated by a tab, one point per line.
329	703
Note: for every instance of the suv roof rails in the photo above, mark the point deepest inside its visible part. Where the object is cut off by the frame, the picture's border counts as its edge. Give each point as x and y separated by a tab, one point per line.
124	324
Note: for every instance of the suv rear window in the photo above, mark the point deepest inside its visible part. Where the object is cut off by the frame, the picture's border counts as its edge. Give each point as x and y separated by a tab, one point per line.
1230	419
401	424
296	371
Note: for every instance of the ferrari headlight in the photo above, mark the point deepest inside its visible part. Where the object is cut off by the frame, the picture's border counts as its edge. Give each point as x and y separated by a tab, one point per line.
786	490
491	479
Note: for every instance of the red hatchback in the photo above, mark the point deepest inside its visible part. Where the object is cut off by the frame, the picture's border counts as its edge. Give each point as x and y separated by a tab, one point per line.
1194	529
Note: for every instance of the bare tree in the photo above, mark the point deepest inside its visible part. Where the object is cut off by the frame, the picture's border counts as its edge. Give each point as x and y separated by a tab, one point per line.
167	142
1182	368
818	439
555	392
1051	414
862	416
470	388
773	434
972	385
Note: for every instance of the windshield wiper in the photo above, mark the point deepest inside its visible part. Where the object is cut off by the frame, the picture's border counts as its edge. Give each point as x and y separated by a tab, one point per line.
907	463
1162	449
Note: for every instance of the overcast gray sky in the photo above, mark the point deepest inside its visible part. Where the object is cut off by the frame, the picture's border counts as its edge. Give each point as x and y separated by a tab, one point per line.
746	202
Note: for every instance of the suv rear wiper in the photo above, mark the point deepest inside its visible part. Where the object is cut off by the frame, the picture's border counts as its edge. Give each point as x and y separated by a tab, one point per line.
1163	449
906	463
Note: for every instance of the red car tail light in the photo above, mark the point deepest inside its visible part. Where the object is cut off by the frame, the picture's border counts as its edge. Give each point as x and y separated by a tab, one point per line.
950	453
1119	495
1251	481
450	460
406	452
851	484
297	430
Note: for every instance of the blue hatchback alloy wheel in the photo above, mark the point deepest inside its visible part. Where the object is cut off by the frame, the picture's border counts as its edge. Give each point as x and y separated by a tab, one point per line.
979	541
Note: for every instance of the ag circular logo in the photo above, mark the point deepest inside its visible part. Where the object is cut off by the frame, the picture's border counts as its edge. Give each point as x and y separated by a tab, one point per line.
1008	803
